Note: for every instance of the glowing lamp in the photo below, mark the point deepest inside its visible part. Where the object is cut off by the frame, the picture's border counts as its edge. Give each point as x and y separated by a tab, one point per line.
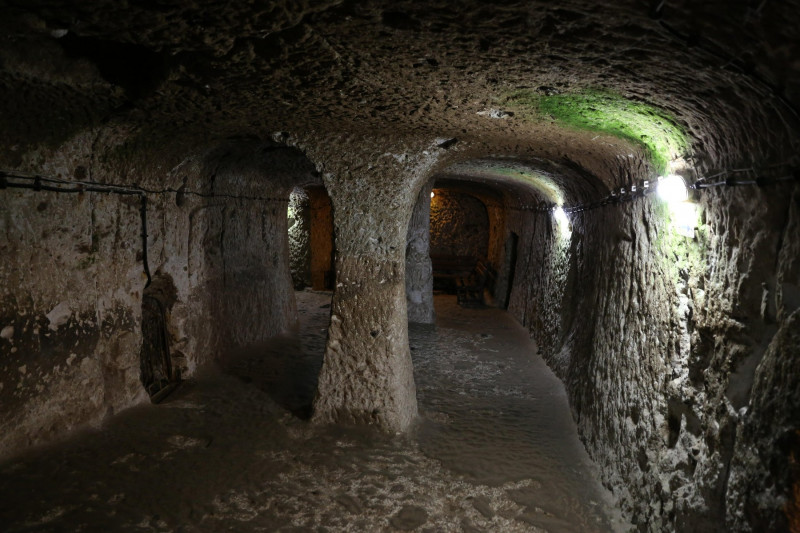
561	216
433	194
672	189
563	221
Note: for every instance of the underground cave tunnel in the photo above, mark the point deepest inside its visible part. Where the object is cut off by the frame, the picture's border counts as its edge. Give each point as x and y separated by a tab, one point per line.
372	266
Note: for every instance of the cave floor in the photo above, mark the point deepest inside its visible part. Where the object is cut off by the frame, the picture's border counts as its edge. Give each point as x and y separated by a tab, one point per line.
495	448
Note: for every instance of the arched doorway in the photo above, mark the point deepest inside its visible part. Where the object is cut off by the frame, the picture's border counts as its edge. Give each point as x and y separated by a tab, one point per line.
455	245
459	244
311	240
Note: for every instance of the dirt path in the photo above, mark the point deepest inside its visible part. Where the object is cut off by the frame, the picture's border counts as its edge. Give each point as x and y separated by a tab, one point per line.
495	448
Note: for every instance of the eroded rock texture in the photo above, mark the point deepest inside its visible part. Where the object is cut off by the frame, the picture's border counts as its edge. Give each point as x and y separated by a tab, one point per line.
459	225
672	361
299	220
419	270
678	353
74	276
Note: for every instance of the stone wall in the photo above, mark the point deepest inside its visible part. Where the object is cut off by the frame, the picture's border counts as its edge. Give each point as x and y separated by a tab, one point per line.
419	270
459	225
299	220
495	245
679	355
73	279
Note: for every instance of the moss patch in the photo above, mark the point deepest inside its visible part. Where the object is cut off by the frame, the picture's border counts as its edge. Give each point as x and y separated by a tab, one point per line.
608	113
544	184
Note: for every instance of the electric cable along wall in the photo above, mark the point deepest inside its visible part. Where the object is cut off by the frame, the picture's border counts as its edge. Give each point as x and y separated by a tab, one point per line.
17	180
749	176
731	178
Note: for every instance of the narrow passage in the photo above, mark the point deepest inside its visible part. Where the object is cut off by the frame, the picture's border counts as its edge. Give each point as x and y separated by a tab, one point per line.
495	448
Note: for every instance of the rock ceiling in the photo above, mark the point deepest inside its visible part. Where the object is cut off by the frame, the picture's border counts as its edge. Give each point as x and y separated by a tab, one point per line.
726	74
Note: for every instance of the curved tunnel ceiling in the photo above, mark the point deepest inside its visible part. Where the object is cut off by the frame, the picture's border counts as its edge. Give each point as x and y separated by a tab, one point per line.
529	181
716	81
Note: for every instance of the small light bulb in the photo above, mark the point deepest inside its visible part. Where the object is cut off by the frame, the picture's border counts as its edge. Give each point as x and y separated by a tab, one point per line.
672	189
433	194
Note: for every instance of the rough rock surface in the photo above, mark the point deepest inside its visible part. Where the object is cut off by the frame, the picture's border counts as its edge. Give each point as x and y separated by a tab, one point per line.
238	461
419	271
299	220
72	296
367	374
676	353
678	364
459	225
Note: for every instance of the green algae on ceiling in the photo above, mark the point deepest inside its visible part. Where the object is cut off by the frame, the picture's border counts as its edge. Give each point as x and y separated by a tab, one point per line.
545	185
539	181
609	113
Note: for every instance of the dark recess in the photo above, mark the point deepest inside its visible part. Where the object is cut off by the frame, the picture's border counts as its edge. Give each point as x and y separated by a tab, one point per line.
400	21
137	69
